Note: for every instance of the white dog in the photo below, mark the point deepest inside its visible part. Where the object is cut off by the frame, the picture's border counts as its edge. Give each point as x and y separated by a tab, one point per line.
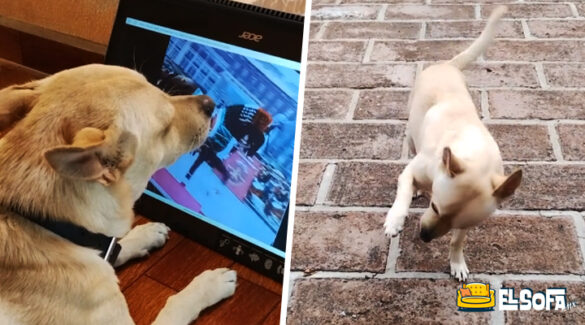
457	163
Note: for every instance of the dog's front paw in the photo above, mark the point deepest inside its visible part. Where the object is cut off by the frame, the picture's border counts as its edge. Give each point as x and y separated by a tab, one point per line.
459	270
214	285
394	223
144	238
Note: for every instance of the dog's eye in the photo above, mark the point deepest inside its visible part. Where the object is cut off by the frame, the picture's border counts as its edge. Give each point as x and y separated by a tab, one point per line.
434	207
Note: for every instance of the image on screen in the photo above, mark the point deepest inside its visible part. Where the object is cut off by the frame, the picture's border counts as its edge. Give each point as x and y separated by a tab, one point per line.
241	176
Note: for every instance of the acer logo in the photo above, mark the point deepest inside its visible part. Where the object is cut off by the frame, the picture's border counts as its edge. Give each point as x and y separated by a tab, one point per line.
251	37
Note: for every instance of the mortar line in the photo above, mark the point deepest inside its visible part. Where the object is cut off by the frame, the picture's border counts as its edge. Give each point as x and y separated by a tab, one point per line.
491	61
477	11
293	276
501	277
541	76
352	106
526	30
404	161
405	149
368	52
573	8
450	39
325	185
438	20
579	223
497	317
423	30
382	13
347	120
393	253
383	209
485	111
555	142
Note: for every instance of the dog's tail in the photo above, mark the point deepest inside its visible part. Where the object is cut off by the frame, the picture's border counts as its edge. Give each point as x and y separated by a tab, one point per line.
479	45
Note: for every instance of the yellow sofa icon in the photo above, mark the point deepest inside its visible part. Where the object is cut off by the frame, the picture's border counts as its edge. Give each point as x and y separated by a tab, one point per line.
475	297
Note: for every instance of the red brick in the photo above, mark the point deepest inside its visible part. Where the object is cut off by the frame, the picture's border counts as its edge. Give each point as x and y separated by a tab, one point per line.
473	1
575	293
314	29
471	29
309	179
532	10
382	104
430	12
522	142
359	75
557	28
548	187
345	12
501	75
351	141
384	1
565	74
571	137
366	184
391	104
347	241
378	29
536	104
502	244
351	51
537	50
417	50
378	301
581	9
322	103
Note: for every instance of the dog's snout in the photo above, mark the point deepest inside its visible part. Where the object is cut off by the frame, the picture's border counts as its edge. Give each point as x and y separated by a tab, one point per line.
426	235
207	104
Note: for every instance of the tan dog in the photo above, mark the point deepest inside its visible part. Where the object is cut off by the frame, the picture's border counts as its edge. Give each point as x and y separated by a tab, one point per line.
457	162
80	146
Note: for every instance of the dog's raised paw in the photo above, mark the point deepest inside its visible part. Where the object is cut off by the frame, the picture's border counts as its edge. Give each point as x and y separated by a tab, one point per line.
394	223
459	271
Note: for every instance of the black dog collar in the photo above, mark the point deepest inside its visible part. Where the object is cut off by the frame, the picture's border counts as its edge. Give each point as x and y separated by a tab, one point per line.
108	246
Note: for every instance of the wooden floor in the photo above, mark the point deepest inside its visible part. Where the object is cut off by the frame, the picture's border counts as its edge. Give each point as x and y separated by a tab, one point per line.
148	282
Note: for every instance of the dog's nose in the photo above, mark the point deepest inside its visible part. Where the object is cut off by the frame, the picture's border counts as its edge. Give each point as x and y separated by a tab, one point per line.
207	104
426	235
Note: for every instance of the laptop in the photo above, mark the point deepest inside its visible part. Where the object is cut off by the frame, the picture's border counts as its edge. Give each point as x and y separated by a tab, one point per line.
233	193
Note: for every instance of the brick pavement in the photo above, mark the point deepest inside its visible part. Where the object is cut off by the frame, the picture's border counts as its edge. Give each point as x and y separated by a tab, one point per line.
530	90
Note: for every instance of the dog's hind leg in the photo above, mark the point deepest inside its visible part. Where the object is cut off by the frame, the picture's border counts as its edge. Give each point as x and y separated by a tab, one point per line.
399	210
458	267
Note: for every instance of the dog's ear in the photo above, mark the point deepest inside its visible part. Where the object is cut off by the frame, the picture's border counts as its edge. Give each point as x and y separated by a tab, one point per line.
452	165
15	103
94	155
505	186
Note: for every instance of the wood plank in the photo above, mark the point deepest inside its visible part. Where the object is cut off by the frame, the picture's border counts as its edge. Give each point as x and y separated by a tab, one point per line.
249	305
128	273
10	49
50	57
12	73
86	19
274	316
177	268
245	272
146	298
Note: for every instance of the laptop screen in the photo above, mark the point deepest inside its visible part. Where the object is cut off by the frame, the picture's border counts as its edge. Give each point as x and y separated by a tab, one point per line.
239	180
